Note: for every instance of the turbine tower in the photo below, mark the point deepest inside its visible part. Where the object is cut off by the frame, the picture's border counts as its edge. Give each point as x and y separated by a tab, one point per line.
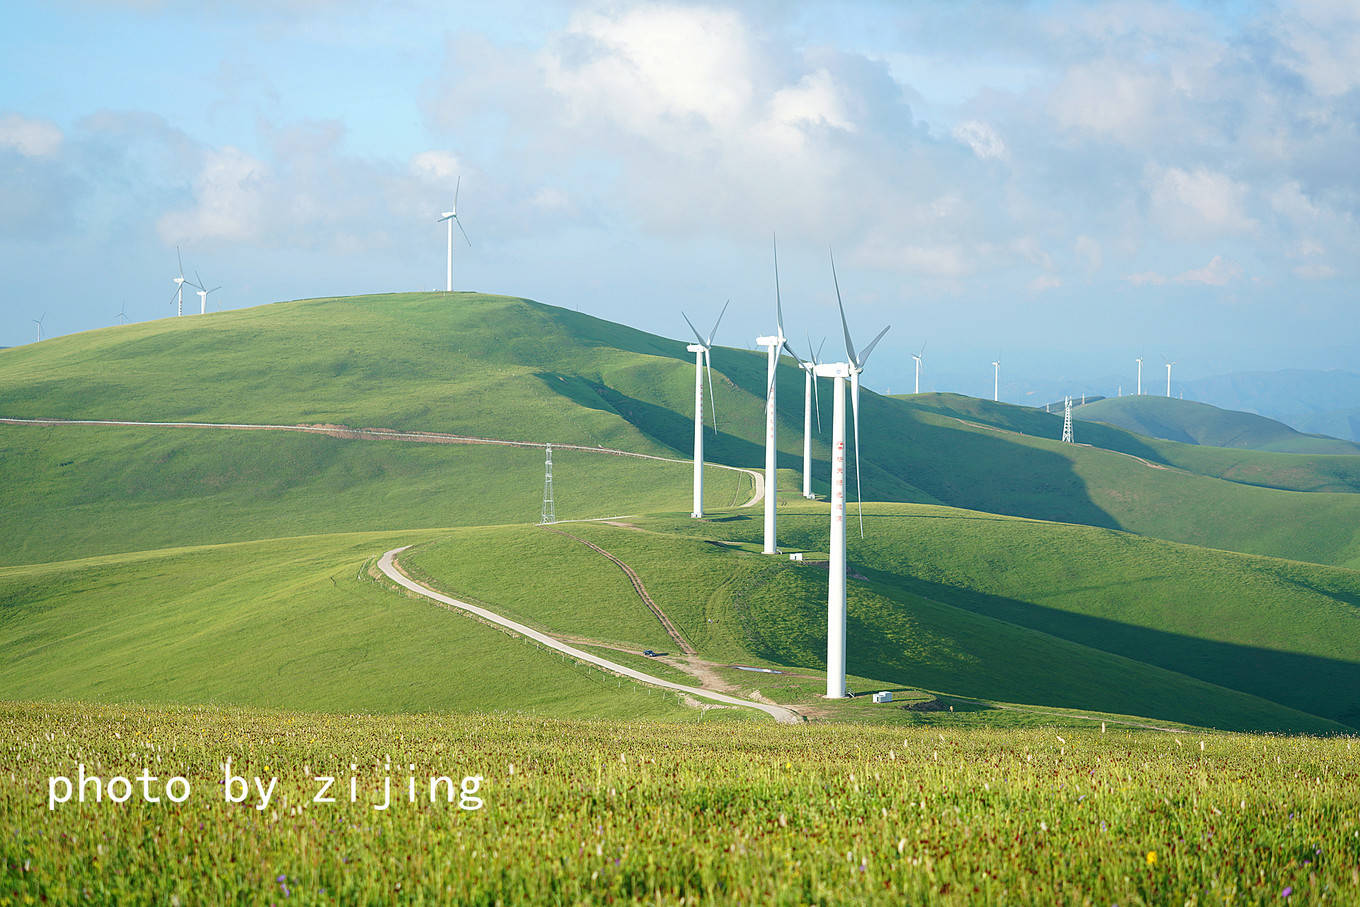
451	217
996	381
703	361
1067	421
918	357
203	294
775	345
39	323
809	393
1168	378
1139	360
835	599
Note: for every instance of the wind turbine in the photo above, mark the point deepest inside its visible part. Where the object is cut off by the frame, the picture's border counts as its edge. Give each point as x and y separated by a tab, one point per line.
179	285
451	217
835	600
203	294
809	392
39	323
996	381
703	360
775	345
1168	378
1139	360
918	357
122	313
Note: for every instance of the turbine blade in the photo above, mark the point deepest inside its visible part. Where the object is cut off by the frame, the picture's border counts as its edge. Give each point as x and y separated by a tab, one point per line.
713	333
692	328
854	403
849	344
180	259
440	220
818	357
215	289
199	284
816	396
778	304
922	354
712	401
461	230
456	186
864	357
174	295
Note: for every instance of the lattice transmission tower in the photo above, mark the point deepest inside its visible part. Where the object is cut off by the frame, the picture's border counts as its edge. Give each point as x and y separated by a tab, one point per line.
1067	421
549	514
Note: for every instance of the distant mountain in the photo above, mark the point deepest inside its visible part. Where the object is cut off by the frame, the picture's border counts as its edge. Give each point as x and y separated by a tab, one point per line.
1200	423
1325	402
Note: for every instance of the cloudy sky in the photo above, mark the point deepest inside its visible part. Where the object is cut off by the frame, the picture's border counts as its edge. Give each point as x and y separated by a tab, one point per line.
1062	185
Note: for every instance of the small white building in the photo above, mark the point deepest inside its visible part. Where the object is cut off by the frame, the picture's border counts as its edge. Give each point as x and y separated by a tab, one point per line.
796	556
884	696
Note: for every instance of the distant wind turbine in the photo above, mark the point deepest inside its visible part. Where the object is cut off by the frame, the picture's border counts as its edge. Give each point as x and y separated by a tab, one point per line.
451	217
203	294
1139	360
179	285
919	357
775	346
703	361
122	313
835	611
996	381
39	323
1168	378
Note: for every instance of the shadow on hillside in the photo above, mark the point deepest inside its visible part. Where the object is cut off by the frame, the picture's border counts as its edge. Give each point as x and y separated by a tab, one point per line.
1317	685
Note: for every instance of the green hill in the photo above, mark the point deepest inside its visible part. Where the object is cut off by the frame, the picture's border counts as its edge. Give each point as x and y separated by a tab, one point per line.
1199	423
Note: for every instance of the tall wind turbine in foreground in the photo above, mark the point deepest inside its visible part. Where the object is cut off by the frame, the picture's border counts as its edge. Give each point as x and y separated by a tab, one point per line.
809	392
203	295
835	600
919	357
179	285
1139	360
703	361
451	217
775	346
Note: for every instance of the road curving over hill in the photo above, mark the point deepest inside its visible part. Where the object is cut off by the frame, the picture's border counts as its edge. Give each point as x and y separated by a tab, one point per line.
389	434
388	565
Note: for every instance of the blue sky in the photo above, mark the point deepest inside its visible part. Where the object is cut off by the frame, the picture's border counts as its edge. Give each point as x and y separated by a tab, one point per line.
1064	185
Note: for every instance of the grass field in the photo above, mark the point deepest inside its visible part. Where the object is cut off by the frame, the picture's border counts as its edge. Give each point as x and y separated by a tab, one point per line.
609	812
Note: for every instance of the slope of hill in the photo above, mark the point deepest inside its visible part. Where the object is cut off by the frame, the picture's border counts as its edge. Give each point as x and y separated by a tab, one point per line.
1307	399
1199	423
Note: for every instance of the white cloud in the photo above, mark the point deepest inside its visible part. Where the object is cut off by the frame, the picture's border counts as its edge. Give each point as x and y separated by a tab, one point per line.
1089	249
982	138
1199	201
1146	279
1045	282
1314	271
229	201
436	166
1218	272
31	138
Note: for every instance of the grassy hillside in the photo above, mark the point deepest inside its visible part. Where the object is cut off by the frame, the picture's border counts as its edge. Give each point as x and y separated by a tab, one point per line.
74	491
1199	423
1175	633
283	623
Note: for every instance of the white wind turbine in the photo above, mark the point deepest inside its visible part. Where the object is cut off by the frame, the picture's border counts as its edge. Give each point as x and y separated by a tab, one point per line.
1139	360
122	313
919	357
703	361
996	381
179	285
1168	378
835	601
451	217
203	294
775	345
39	323
809	393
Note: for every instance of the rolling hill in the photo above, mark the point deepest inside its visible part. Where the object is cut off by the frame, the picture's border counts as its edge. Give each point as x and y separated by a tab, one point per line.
1199	423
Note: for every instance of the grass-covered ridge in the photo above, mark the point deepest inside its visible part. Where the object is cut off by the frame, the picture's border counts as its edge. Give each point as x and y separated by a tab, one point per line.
615	812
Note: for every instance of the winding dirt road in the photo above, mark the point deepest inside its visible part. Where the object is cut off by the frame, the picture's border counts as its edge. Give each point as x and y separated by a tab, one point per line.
388	565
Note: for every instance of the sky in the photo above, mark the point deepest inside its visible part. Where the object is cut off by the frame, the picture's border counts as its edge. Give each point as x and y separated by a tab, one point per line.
1062	186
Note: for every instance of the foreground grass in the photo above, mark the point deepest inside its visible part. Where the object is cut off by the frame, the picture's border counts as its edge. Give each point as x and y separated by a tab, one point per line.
597	812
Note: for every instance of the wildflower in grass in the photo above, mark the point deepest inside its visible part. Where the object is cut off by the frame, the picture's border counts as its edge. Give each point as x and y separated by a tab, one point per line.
1152	858
1288	890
